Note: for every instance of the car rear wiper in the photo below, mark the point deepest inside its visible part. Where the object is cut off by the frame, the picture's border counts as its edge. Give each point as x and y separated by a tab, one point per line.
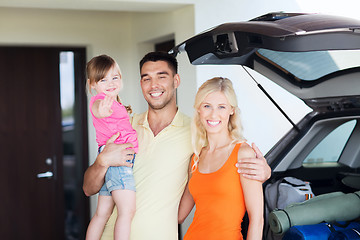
272	100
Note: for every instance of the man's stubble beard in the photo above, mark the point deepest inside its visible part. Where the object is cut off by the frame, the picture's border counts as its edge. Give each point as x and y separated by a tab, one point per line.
163	105
167	101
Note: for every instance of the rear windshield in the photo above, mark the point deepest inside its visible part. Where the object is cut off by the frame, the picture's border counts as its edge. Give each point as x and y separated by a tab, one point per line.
310	66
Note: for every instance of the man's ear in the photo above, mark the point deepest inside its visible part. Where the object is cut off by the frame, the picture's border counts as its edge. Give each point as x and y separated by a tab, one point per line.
177	80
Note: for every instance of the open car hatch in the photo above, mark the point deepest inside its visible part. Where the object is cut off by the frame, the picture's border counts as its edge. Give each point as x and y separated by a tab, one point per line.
313	56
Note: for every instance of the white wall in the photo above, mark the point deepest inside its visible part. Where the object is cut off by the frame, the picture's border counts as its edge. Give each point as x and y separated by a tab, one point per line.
149	28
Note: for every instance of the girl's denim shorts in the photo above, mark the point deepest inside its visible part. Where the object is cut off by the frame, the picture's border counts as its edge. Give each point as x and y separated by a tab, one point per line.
118	178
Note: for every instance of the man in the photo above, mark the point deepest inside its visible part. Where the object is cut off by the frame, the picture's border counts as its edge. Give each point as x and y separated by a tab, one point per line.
160	168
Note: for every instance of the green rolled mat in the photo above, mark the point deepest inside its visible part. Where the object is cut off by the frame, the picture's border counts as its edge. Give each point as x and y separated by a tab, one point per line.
336	207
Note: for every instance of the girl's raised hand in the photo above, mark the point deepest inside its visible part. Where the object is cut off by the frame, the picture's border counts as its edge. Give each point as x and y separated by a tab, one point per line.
105	107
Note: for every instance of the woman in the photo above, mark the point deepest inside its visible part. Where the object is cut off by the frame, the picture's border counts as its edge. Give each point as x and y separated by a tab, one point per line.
220	193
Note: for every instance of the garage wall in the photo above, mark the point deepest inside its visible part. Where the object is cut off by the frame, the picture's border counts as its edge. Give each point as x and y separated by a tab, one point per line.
148	29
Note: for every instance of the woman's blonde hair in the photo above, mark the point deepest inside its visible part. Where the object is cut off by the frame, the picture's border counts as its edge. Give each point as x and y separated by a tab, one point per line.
198	132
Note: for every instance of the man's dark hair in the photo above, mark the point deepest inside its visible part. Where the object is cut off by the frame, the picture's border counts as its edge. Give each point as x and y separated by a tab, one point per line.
160	56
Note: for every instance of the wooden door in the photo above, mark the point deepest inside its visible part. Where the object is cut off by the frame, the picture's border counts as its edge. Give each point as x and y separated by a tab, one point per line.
32	204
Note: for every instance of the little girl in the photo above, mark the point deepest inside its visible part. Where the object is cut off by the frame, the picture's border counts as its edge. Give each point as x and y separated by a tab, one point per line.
110	117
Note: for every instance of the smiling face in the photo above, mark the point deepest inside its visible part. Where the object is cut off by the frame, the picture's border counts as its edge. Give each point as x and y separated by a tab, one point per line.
111	84
158	84
214	112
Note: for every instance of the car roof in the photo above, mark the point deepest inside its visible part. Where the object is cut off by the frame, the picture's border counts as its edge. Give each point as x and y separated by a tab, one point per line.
310	55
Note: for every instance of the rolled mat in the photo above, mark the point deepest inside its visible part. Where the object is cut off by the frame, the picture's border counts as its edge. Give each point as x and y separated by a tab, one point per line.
343	207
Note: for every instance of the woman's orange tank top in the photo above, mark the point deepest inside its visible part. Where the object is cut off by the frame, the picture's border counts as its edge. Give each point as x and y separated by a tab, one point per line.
219	200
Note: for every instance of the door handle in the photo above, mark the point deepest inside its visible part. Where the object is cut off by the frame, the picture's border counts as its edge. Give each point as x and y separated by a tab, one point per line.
45	175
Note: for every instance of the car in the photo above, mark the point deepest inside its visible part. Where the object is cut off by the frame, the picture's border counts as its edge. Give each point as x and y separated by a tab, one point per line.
315	57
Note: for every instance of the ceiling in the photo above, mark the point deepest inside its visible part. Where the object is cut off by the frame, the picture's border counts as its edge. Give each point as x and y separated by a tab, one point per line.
102	5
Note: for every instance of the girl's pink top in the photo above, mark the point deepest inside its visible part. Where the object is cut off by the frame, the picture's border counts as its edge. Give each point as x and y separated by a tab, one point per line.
118	122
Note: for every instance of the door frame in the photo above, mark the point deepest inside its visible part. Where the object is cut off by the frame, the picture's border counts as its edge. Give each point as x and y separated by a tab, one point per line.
81	137
81	127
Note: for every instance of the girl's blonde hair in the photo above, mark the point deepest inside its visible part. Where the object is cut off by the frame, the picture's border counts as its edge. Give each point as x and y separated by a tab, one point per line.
198	132
97	68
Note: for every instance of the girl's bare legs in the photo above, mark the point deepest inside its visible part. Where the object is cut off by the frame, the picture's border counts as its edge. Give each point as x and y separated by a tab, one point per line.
125	203
104	210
